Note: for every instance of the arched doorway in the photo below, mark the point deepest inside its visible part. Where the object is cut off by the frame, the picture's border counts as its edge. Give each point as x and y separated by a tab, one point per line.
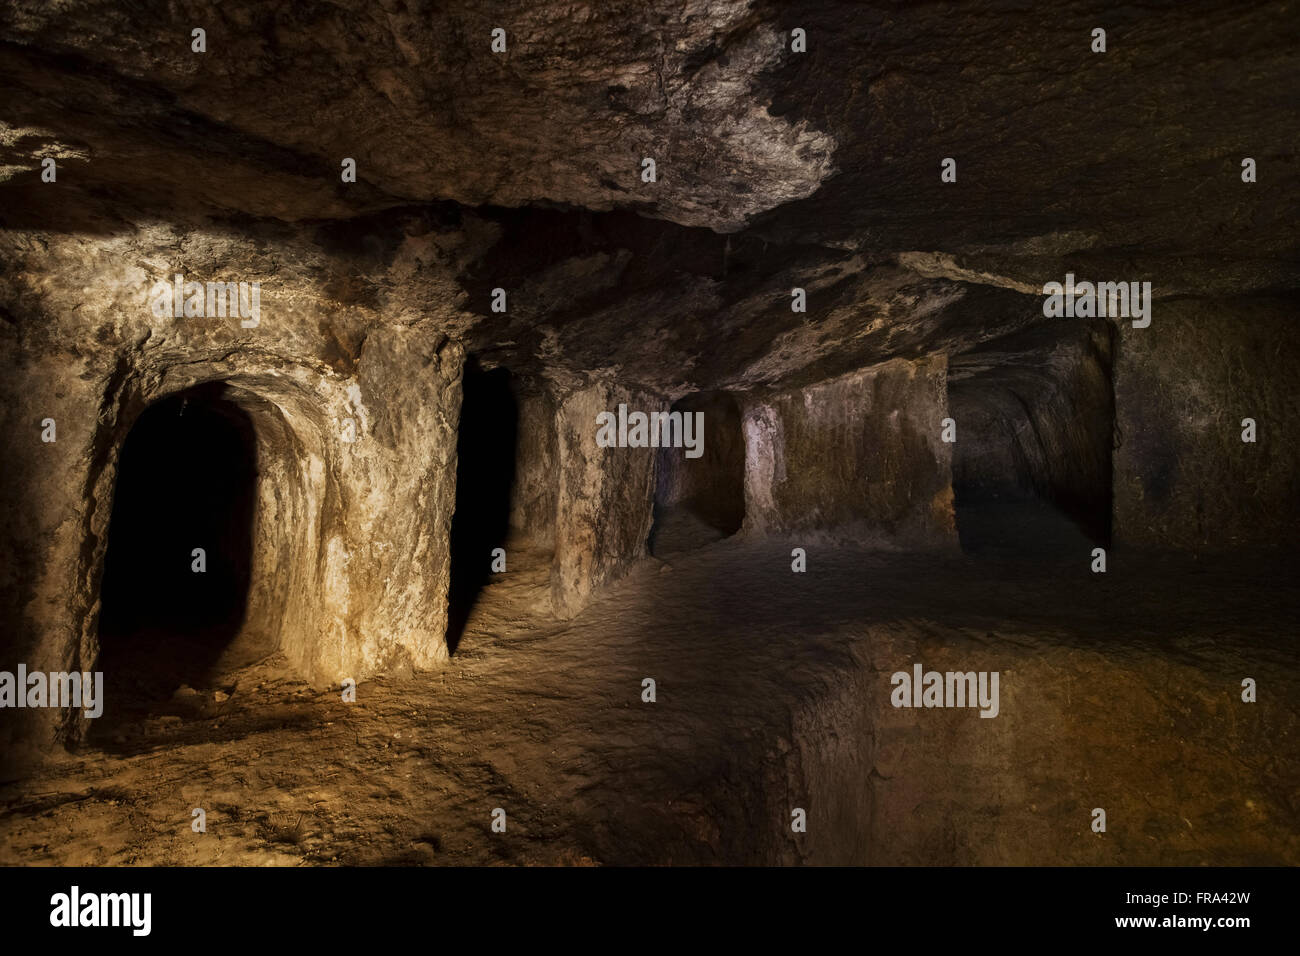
175	587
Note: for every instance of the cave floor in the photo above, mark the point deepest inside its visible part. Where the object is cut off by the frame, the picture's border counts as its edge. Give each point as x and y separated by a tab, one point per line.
1119	691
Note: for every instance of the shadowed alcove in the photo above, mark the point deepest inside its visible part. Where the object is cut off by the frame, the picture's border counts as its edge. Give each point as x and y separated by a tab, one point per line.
1034	414
701	500
186	480
485	478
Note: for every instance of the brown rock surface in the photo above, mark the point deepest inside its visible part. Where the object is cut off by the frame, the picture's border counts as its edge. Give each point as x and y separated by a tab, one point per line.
483	175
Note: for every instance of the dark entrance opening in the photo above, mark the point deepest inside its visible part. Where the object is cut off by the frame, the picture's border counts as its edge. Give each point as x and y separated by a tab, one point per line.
186	480
701	500
1035	415
485	477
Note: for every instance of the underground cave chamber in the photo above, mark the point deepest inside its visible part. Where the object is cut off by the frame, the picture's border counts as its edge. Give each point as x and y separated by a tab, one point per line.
440	329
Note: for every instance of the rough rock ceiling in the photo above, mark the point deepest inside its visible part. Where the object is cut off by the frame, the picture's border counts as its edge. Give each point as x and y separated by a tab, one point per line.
775	169
413	92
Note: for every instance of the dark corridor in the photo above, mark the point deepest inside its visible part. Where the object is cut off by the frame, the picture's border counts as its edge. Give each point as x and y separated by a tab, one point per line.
485	475
186	480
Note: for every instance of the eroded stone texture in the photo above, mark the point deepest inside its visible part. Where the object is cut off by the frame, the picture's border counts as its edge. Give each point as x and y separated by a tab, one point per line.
819	171
533	497
1119	691
605	501
416	95
50	539
350	566
1183	475
859	456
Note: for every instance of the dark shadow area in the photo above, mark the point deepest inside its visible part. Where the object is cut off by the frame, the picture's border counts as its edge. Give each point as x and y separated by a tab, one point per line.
186	479
1012	523
485	476
700	500
1031	468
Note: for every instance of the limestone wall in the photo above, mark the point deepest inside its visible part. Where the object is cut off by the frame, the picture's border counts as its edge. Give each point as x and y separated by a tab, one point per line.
857	457
533	497
1183	477
605	498
350	562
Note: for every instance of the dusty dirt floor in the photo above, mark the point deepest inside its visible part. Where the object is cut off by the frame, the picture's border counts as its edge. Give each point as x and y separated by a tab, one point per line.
1119	691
